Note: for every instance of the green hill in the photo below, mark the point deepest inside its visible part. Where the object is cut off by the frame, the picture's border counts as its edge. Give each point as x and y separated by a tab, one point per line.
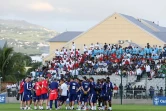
26	37
22	30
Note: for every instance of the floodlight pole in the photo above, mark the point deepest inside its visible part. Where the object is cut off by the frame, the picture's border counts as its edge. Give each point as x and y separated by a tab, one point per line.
121	90
75	64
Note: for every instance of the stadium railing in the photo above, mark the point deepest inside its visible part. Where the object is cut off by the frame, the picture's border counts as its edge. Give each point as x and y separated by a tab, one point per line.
138	94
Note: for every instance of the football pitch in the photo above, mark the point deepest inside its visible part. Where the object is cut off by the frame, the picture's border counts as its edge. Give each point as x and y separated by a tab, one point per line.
15	107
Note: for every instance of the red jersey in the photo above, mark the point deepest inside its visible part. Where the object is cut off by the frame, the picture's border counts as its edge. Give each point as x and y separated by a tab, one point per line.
53	94
38	88
44	87
115	88
21	87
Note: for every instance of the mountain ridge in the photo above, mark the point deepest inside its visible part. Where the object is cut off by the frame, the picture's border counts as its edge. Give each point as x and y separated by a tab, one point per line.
26	37
14	28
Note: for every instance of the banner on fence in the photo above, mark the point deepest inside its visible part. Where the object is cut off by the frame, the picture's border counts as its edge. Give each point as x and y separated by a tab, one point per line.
2	98
159	101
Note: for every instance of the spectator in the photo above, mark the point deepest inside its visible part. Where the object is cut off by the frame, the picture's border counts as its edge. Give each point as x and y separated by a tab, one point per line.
148	70
151	91
139	72
105	46
115	91
161	91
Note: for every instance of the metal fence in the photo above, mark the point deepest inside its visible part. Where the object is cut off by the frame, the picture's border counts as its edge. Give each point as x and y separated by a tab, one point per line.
137	94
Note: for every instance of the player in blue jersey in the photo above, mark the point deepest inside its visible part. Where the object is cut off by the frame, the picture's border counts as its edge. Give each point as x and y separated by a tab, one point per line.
98	91
109	94
31	85
78	91
93	94
103	94
73	88
85	88
27	94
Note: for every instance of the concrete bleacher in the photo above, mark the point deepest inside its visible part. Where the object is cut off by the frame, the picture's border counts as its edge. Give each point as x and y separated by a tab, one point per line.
115	79
160	82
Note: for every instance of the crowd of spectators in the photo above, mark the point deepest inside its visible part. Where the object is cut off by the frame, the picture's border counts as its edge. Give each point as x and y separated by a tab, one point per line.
12	90
108	59
137	92
156	91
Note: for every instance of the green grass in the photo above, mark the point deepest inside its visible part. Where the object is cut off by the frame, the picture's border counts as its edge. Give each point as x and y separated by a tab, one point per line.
15	107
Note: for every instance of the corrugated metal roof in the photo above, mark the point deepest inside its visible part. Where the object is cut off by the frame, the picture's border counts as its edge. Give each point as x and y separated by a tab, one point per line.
65	36
162	29
160	34
2	43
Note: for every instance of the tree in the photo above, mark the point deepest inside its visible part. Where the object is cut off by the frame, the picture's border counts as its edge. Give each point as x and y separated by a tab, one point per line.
5	56
12	65
34	66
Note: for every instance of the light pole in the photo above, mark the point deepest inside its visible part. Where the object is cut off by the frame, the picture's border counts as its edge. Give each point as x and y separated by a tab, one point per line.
0	84
74	63
121	89
121	96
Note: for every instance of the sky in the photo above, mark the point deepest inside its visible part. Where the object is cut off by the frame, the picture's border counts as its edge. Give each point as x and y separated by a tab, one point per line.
79	15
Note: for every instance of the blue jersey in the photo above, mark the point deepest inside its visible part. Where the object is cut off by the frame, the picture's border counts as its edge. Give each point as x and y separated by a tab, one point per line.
142	52
113	50
79	92
101	51
85	85
92	88
54	85
104	88
109	88
121	51
73	87
160	50
27	88
34	93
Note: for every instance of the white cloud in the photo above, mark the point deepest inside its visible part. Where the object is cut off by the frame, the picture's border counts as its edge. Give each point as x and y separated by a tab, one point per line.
63	10
41	6
44	6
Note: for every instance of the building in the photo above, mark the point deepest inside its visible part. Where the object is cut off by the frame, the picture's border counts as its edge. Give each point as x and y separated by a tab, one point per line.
60	40
3	43
118	29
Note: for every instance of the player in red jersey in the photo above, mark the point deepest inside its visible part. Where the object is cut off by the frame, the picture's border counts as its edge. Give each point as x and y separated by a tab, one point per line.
21	93
37	87
44	92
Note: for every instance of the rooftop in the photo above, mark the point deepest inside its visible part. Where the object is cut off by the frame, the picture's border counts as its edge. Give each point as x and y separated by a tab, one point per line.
149	26
65	36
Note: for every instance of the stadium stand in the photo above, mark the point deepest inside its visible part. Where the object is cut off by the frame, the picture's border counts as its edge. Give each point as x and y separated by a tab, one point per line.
112	60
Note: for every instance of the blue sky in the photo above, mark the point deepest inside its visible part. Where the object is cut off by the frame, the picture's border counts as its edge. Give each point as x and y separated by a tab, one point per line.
79	15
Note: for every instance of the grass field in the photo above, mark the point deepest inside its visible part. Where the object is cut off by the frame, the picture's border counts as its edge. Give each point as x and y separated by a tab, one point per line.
15	107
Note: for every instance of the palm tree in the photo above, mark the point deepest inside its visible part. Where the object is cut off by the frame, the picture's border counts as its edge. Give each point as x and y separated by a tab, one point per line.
5	56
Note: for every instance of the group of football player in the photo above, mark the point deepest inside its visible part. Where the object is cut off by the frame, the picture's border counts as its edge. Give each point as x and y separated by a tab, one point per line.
73	93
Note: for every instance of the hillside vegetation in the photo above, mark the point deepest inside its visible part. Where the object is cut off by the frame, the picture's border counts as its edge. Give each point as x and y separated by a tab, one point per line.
25	37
